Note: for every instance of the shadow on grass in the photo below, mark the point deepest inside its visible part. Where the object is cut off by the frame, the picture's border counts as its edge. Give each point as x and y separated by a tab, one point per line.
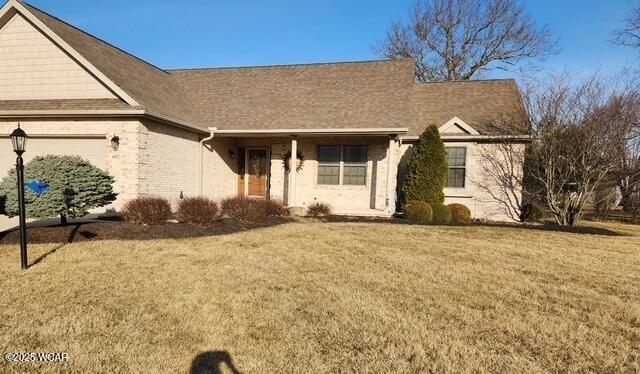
72	234
211	363
586	230
120	230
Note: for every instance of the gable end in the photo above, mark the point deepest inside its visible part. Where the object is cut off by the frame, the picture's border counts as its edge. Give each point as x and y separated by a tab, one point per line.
34	68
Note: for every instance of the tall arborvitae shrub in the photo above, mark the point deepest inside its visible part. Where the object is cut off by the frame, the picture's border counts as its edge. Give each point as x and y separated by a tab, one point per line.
427	169
75	187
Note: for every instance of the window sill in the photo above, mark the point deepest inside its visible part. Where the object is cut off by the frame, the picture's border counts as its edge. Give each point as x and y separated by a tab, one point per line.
457	192
341	187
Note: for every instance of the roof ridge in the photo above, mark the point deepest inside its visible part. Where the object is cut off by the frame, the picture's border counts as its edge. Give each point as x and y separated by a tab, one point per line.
470	81
32	7
283	65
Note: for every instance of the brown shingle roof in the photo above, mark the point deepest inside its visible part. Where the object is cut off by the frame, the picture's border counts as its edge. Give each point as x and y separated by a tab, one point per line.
374	94
64	104
338	95
492	107
154	88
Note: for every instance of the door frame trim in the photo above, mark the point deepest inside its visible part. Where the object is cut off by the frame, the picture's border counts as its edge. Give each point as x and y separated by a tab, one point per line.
246	170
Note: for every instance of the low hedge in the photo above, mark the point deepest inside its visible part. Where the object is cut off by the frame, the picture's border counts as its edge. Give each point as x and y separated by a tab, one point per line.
252	210
146	210
460	214
441	214
274	208
418	211
242	209
318	209
198	211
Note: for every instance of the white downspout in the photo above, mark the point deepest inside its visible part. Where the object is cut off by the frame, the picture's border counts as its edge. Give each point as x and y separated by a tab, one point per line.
212	131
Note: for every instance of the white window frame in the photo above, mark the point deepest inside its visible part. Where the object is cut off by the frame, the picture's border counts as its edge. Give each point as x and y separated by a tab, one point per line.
341	166
459	191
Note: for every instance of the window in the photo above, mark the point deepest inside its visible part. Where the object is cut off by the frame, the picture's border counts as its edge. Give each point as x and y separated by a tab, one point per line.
329	164
355	165
456	157
348	160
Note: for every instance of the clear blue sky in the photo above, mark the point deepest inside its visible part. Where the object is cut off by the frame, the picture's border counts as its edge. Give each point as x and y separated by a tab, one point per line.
203	33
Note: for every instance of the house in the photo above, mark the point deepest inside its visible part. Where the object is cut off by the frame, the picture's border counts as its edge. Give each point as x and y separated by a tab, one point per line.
228	131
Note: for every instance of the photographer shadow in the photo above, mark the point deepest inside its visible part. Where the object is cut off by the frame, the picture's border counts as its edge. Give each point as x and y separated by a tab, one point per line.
210	362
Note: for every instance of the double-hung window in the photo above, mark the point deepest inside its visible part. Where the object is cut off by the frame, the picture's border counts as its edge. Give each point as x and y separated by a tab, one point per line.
346	165
456	158
355	165
329	164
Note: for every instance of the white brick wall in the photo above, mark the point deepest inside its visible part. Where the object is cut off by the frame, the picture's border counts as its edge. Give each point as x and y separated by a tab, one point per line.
220	178
169	161
344	197
222	173
32	67
157	159
481	203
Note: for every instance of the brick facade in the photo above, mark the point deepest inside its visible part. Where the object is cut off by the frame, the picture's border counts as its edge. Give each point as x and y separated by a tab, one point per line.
481	204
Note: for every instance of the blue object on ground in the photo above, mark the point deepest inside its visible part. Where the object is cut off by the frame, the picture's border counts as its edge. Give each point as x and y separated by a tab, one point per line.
37	187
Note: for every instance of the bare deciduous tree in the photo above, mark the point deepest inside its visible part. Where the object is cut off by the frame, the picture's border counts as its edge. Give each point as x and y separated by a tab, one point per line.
577	130
627	177
460	39
629	35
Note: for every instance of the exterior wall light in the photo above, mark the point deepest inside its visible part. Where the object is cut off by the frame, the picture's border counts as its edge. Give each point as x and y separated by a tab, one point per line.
115	142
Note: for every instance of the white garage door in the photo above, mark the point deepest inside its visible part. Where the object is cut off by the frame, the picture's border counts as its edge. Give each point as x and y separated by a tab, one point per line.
92	149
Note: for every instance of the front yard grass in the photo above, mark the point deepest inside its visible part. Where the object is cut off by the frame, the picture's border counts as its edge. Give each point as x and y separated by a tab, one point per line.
331	297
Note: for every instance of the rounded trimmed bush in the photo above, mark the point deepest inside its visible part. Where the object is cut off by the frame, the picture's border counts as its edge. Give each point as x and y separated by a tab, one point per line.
146	210
441	214
460	214
418	211
198	211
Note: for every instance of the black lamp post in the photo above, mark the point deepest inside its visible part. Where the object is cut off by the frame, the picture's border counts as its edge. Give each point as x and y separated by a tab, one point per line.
19	140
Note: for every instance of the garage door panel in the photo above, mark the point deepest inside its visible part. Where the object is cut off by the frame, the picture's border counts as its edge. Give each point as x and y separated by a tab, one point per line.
92	149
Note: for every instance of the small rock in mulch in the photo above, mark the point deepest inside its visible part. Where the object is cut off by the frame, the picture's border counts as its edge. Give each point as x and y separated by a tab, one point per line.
120	230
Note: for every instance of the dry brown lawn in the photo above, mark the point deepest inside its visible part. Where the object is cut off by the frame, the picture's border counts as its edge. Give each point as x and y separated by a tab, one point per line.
331	297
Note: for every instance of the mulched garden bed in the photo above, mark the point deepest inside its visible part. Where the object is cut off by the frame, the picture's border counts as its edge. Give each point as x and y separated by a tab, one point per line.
120	230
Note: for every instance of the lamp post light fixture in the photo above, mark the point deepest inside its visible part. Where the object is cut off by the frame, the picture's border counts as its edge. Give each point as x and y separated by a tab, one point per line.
19	140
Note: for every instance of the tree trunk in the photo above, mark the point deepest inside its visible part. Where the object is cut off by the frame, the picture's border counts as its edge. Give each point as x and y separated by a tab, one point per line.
63	219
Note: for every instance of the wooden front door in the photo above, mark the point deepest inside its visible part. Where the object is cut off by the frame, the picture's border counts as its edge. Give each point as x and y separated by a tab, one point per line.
257	171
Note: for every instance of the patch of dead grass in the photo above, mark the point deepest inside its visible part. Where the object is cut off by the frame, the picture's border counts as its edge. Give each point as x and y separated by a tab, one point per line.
332	297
